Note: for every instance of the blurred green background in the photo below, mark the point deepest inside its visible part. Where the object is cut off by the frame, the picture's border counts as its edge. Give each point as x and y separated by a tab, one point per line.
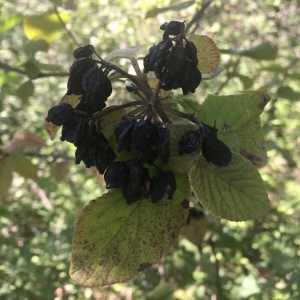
42	191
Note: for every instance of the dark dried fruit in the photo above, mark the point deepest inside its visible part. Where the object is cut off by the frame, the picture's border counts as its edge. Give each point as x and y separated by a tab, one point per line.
189	142
116	175
85	51
80	131
213	149
162	141
191	80
191	52
172	28
123	134
77	70
155	53
138	185
60	114
162	184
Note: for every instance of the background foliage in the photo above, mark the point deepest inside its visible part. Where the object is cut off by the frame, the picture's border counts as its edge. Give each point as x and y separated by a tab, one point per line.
42	191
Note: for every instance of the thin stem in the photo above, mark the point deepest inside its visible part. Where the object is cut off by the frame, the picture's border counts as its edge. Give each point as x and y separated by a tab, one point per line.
109	110
142	87
9	68
65	27
190	117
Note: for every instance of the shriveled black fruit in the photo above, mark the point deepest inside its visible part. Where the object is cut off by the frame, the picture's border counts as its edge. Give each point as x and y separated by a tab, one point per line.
60	114
162	184
138	185
80	131
172	28
142	134
176	69
214	150
191	80
130	194
189	142
155	53
96	84
67	133
77	70
191	52
85	51
95	152
162	141
123	134
116	175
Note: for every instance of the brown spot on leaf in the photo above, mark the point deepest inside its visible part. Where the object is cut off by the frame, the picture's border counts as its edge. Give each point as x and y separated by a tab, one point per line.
225	128
144	266
256	160
265	99
246	114
185	204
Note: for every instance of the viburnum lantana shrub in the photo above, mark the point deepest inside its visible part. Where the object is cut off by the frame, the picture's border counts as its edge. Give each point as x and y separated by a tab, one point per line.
154	151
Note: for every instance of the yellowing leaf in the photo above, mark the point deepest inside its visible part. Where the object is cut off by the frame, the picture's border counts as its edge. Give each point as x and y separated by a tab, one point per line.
114	241
207	52
45	26
51	128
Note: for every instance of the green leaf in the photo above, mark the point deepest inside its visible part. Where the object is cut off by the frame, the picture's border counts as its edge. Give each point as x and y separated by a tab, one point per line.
154	12
114	241
7	22
23	166
263	51
236	192
5	177
238	123
31	69
34	46
246	81
45	26
287	92
180	163
161	291
25	90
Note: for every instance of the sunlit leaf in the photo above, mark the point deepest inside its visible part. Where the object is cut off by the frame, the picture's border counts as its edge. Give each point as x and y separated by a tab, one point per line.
263	51
207	52
51	128
180	163
122	53
7	22
25	90
114	241
5	177
23	138
34	46
23	165
236	192
287	92
31	69
45	26
238	122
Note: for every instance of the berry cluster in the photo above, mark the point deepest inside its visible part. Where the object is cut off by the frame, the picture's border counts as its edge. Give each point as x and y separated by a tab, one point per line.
174	60
89	80
144	131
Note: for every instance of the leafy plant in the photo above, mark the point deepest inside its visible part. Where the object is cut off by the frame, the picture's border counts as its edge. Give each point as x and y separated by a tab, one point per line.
155	150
